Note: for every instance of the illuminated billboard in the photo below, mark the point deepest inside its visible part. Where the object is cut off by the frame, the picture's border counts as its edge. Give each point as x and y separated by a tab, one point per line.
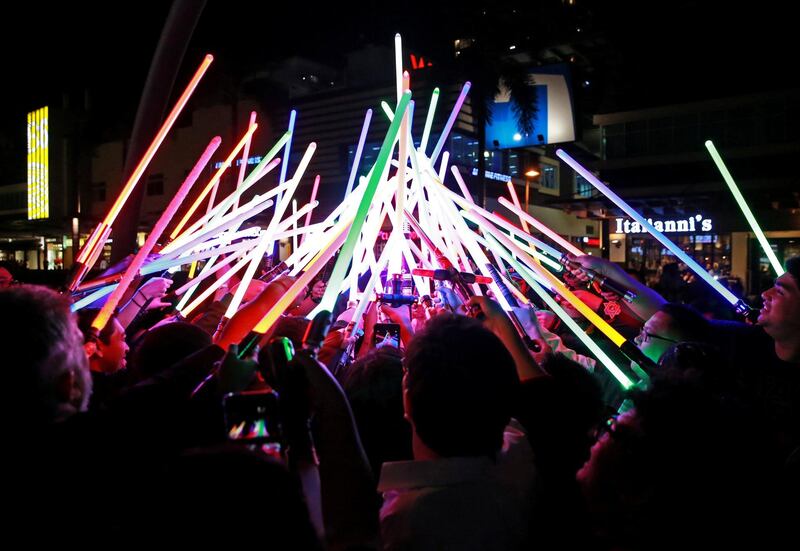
555	121
38	165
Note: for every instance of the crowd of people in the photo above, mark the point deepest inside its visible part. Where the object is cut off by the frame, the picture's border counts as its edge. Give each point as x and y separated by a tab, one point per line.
453	433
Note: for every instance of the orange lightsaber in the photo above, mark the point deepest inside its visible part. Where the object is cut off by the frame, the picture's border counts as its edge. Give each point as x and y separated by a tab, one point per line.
150	153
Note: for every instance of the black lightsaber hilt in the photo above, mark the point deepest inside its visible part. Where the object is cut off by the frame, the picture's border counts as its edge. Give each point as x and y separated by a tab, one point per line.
602	281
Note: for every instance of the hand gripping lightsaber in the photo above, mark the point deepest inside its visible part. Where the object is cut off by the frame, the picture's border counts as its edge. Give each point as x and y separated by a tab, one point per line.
739	305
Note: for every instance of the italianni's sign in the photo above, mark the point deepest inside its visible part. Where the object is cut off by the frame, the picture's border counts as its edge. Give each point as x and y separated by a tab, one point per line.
693	224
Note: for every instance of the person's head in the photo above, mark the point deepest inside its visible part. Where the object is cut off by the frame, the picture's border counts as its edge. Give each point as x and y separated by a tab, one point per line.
682	450
671	324
458	388
46	370
107	352
374	388
164	346
780	315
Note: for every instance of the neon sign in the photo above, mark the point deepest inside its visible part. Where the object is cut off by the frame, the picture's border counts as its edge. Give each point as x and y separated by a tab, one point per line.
692	224
38	165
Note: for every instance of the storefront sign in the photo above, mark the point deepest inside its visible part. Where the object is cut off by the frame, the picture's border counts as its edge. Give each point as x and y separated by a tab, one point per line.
693	224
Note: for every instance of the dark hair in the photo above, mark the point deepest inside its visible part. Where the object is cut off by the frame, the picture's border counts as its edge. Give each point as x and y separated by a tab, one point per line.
85	318
165	346
688	323
793	267
374	388
461	383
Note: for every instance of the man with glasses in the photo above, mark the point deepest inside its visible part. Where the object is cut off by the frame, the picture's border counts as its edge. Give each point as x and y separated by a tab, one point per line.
672	323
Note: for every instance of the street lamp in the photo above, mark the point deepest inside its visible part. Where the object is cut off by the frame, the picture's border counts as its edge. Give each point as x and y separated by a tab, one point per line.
531	173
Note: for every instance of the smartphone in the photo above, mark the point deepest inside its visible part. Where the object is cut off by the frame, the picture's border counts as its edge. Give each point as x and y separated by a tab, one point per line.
252	418
384	329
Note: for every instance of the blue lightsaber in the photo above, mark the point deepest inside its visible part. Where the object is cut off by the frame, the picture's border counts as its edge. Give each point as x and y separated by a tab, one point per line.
740	305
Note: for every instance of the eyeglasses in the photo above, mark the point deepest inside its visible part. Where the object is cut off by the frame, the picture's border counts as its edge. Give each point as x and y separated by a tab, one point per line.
645	336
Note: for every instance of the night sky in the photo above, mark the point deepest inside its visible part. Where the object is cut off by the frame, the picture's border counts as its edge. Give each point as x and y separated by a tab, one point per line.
667	52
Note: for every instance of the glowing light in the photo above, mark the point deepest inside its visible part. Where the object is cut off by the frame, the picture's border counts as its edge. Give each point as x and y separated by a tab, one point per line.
513	192
762	239
285	166
132	270
346	255
357	159
212	184
623	379
525	217
426	132
151	150
245	156
450	122
38	164
677	251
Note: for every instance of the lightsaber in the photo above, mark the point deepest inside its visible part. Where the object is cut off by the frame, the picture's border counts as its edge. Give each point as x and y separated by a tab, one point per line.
312	269
461	184
132	271
398	65
513	193
625	346
607	362
426	131
267	241
245	157
346	254
212	184
359	149
218	283
150	152
81	264
739	305
450	122
313	198
267	164
229	221
217	216
285	166
236	251
189	284
478	219
469	207
762	239
525	217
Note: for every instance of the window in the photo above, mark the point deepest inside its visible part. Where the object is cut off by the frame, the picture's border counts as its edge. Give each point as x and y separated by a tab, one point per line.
582	187
548	181
155	184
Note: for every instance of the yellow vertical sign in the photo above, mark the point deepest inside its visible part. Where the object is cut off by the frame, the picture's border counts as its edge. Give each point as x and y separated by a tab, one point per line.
38	165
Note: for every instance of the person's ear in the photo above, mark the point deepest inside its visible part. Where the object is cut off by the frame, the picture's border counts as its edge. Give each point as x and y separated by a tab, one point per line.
90	348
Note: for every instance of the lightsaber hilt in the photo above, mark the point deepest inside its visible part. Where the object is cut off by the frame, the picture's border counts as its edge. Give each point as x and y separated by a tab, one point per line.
645	364
512	302
745	310
510	299
444	275
317	331
79	271
274	272
602	281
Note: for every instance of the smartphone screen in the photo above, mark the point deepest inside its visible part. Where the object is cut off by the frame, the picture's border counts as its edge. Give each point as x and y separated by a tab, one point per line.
382	330
252	417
